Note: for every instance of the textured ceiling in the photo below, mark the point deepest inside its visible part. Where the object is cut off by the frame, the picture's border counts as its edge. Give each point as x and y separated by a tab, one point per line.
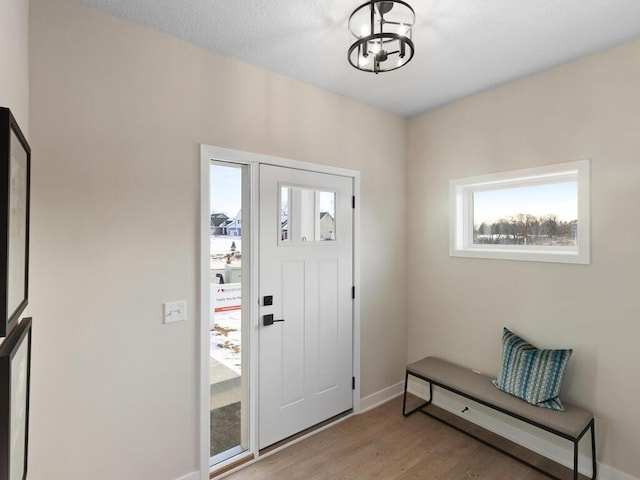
462	46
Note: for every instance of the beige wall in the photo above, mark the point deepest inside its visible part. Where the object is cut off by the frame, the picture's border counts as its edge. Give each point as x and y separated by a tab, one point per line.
457	306
118	114
14	59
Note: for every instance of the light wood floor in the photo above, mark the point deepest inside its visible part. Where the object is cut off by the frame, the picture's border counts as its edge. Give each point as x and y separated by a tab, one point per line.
382	444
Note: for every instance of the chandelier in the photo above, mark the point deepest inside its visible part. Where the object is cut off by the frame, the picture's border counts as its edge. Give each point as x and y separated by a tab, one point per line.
383	35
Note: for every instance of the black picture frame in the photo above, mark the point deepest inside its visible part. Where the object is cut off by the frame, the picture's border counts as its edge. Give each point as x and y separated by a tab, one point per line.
15	386
15	189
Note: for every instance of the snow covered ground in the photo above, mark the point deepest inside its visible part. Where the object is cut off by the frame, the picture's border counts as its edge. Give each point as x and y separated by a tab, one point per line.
222	244
220	247
225	339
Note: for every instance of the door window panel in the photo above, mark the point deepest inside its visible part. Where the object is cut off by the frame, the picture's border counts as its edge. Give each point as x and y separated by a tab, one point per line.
307	215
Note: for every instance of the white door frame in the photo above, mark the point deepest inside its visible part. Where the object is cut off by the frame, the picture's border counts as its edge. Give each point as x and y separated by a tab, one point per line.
208	153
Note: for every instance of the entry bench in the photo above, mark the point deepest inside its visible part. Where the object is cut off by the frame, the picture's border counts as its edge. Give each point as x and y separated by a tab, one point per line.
572	424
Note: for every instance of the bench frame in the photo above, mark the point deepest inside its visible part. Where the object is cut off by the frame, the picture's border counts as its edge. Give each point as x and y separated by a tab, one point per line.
574	440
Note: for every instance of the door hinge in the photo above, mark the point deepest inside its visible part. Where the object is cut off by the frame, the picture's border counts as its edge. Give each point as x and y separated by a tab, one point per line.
353	383
353	292
353	201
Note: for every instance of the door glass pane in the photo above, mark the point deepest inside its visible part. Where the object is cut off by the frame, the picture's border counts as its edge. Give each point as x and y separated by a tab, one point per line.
228	405
307	215
284	214
327	201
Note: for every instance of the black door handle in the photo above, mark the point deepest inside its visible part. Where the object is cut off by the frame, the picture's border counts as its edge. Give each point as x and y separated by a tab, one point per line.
268	320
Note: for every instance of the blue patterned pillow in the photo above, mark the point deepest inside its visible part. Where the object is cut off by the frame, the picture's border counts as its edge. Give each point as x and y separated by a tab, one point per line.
532	374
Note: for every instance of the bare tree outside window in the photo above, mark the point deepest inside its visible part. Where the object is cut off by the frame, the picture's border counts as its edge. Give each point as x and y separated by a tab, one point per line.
544	214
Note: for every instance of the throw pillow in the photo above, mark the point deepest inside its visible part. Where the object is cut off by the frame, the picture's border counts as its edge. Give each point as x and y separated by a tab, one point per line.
532	374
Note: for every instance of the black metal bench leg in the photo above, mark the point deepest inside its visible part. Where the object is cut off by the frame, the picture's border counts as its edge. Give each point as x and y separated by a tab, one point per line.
594	464
404	398
576	443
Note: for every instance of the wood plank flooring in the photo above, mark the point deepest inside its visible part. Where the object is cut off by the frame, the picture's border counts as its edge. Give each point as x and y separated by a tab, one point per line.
382	444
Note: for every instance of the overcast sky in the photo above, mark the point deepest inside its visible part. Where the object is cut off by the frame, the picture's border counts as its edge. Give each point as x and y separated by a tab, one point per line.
559	199
226	189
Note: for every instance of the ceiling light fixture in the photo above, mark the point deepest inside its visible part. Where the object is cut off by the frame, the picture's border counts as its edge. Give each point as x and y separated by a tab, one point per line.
383	35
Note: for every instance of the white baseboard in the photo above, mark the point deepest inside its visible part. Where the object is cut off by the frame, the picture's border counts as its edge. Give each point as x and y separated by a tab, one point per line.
376	399
518	432
190	476
606	472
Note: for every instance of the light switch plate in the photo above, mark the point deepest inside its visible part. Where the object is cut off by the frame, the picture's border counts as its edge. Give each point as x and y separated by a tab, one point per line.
175	311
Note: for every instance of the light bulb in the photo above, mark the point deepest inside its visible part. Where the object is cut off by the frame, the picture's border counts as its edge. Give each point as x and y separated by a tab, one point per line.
364	61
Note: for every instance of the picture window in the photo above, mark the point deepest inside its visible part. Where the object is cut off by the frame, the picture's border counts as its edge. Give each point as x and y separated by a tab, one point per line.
536	214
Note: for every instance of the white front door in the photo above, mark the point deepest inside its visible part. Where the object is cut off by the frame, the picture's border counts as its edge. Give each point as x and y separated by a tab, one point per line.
306	267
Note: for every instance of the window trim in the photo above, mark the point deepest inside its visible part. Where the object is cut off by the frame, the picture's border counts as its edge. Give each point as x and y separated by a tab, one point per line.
461	192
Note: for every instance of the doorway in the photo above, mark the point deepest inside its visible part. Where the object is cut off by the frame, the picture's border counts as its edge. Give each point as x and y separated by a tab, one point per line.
299	236
306	279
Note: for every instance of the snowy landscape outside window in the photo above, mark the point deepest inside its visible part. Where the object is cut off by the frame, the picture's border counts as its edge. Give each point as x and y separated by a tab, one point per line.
535	214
